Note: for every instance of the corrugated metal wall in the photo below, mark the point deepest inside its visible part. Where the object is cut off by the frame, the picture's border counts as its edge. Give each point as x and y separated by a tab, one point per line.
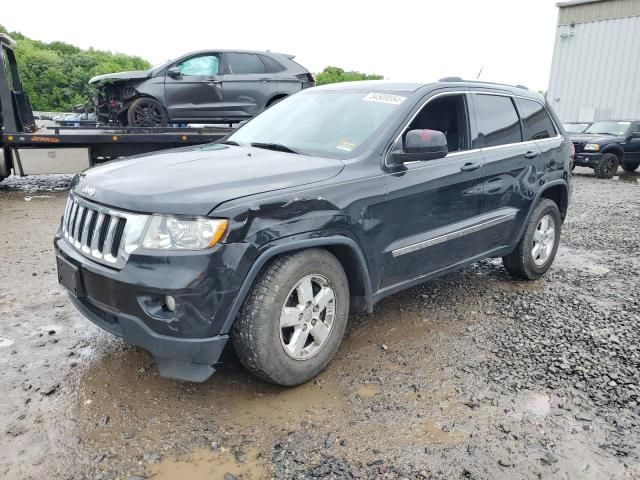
602	10
595	72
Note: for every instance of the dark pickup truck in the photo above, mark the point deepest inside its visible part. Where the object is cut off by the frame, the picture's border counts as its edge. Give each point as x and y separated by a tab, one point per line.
319	207
608	144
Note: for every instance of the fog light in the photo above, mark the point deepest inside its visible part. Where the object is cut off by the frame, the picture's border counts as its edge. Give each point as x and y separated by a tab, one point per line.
170	302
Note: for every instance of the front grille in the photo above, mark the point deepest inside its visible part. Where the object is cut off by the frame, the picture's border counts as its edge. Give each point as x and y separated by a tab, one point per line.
579	146
100	233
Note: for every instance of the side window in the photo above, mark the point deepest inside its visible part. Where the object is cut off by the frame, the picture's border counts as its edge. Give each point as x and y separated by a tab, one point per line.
271	66
498	120
203	65
537	123
447	114
243	63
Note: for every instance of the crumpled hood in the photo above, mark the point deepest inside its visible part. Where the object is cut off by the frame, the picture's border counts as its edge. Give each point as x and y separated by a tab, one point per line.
194	180
132	75
595	138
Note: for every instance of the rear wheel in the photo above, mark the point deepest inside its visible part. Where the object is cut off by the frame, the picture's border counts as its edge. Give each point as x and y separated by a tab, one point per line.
630	167
294	317
608	166
538	246
147	112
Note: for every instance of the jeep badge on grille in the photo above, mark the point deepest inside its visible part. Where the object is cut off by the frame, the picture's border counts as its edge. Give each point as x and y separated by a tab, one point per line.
89	191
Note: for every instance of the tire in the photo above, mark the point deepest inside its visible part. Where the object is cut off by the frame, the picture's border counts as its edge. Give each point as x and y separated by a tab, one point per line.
608	166
521	263
146	112
265	346
630	167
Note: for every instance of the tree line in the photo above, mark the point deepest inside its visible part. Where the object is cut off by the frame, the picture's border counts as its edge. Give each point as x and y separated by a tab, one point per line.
55	75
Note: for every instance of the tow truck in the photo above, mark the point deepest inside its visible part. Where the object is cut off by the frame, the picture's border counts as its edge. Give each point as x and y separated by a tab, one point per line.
27	149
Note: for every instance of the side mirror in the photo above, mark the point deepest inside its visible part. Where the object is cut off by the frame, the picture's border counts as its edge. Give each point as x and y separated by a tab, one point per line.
421	145
174	72
635	135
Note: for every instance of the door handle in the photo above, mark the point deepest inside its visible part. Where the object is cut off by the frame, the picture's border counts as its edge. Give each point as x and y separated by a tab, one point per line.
470	166
265	80
531	154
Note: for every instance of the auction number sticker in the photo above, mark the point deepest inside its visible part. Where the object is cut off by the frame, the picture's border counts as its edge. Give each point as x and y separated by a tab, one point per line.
384	98
346	145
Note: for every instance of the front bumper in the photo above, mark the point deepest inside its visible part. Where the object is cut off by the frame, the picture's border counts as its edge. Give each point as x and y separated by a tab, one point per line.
129	302
588	159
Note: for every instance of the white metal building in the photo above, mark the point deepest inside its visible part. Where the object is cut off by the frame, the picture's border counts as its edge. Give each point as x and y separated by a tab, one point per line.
595	73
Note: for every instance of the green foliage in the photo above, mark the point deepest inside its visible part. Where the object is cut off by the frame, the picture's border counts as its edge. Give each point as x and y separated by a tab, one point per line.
55	74
335	75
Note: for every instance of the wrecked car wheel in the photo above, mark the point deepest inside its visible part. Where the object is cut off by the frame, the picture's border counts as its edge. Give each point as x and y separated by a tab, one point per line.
538	246
294	317
146	112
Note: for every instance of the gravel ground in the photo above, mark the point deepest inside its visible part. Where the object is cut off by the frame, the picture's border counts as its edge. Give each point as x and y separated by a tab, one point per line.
471	376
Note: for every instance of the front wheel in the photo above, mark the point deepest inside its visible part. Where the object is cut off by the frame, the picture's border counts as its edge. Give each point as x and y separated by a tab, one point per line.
293	320
538	246
147	112
630	166
607	166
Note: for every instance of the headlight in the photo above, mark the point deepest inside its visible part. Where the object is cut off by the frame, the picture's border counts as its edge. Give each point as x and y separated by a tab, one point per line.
594	147
175	233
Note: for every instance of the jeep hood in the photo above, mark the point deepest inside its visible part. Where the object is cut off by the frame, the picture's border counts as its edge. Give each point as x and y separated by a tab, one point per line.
195	180
122	76
595	138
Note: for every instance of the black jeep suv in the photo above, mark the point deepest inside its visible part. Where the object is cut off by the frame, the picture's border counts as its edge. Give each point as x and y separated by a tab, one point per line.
608	144
319	207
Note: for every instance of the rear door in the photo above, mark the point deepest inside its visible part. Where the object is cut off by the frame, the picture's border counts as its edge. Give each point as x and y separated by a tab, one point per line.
513	167
196	93
247	84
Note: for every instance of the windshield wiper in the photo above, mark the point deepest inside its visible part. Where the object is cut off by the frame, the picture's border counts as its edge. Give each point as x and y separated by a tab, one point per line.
274	146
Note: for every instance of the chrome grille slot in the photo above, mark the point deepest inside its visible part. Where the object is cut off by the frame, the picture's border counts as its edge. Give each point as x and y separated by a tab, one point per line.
105	235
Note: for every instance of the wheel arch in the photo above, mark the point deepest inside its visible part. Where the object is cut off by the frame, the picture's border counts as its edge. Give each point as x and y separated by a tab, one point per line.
345	249
275	98
615	149
557	191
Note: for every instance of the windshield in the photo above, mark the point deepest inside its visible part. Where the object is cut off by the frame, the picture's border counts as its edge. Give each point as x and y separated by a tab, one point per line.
320	122
609	128
575	127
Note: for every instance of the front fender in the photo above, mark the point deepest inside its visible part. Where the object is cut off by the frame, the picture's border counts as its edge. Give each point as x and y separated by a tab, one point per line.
290	244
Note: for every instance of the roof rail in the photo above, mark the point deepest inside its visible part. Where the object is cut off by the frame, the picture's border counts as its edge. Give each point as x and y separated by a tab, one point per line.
521	86
7	40
451	79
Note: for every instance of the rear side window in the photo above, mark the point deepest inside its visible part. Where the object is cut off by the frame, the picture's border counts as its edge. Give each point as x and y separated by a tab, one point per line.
498	120
537	123
244	64
271	65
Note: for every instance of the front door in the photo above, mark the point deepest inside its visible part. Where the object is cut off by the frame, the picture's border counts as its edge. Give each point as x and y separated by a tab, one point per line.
195	94
632	147
248	85
433	207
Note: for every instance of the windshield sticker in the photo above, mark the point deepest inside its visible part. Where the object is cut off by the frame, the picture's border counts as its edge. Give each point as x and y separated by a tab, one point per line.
346	146
384	98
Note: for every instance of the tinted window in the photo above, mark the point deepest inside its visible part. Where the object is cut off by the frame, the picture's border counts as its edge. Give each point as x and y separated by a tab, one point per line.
537	123
243	63
447	114
271	65
498	121
203	65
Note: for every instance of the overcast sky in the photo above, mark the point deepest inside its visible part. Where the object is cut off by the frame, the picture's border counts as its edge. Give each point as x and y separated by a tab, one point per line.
511	40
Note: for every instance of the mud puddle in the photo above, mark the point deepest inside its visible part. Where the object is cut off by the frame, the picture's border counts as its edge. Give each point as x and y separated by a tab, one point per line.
205	464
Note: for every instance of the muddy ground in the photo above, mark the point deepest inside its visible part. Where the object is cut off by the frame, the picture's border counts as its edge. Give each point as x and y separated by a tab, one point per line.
472	376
